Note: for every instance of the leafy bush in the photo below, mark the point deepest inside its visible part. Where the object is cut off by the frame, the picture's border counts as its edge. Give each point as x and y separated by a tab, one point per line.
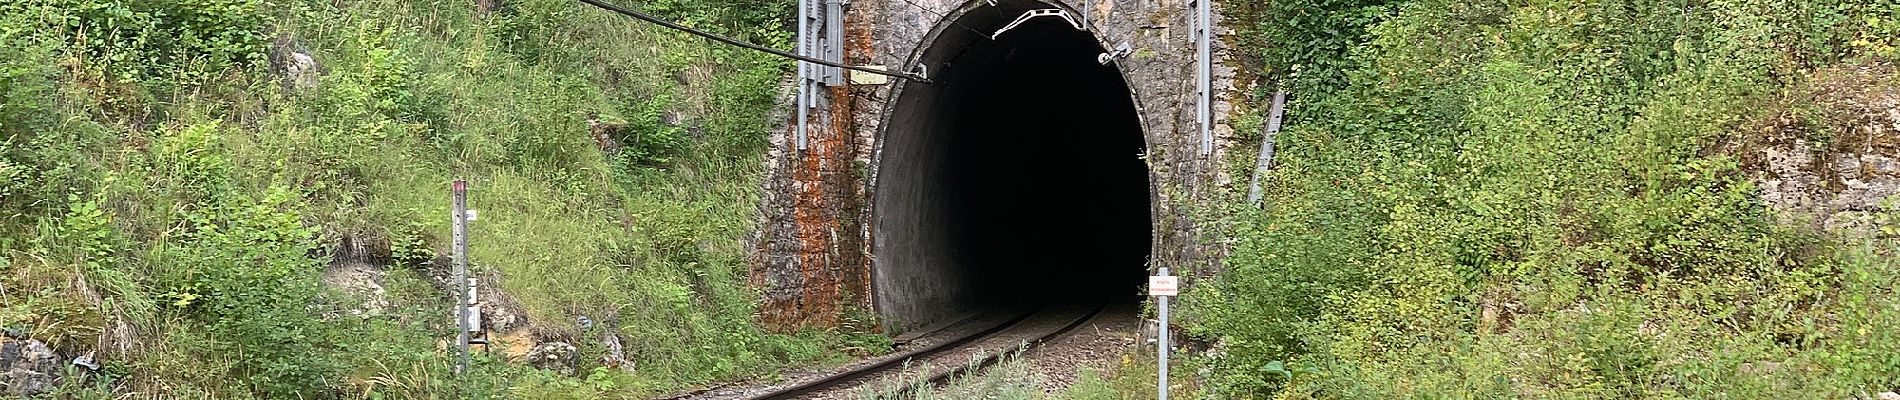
1882	35
240	266
26	79
1536	203
218	194
244	270
1305	43
26	76
648	139
163	39
13	177
747	19
368	103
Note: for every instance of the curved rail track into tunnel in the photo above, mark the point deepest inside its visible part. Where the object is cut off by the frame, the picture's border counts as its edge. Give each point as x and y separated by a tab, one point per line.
903	375
1015	178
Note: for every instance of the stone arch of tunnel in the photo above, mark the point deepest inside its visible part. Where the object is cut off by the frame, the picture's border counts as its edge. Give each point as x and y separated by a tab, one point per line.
1015	178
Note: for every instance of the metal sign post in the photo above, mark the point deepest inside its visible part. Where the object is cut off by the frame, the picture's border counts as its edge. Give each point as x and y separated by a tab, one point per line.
458	232
1162	286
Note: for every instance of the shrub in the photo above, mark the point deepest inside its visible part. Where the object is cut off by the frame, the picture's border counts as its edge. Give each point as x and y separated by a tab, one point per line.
13	177
649	139
1536	199
164	39
26	76
26	86
219	191
244	270
1305	43
747	19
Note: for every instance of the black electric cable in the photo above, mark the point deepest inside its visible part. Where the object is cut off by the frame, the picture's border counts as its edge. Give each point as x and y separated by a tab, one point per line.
741	43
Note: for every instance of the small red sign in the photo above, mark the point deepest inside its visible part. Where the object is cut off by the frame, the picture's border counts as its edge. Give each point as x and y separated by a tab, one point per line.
1164	286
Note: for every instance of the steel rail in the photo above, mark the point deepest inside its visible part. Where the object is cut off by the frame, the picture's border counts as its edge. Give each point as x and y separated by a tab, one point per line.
792	392
941	378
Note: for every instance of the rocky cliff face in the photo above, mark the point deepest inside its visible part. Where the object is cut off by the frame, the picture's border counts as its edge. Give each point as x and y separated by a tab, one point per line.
27	367
1832	159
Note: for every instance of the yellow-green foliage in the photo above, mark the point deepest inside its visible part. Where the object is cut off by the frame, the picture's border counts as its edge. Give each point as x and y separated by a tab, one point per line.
1535	200
168	203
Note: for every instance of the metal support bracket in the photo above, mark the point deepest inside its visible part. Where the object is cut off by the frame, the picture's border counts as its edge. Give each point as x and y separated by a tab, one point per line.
1121	51
1047	12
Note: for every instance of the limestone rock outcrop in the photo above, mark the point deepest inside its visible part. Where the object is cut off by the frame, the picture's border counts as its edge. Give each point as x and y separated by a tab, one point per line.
28	367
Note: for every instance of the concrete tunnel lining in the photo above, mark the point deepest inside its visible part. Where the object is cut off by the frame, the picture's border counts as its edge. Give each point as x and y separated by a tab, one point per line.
1015	177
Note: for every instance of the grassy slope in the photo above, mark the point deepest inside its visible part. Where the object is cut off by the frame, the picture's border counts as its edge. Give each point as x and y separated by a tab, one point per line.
1545	200
169	204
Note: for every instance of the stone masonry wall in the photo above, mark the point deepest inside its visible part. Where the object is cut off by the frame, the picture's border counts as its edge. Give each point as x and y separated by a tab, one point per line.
1838	170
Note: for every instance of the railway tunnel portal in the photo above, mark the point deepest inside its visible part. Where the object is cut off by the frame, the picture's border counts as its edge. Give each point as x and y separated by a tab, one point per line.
1051	158
1016	177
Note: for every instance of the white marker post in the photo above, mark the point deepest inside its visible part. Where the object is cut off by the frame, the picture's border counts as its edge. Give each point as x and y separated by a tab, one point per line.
458	243
1163	286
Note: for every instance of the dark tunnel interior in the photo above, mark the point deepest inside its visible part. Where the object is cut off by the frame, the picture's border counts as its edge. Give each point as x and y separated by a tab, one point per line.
1015	178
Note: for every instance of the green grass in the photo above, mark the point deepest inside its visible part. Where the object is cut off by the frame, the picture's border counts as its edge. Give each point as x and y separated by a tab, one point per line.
127	153
1552	200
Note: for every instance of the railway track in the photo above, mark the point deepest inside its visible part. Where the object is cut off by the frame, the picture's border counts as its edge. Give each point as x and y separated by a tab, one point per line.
925	368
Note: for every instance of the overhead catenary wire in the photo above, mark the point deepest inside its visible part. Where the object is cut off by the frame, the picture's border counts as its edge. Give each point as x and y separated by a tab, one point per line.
940	14
748	45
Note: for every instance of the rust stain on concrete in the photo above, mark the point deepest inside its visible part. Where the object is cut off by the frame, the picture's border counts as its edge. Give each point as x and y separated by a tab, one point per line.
825	209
